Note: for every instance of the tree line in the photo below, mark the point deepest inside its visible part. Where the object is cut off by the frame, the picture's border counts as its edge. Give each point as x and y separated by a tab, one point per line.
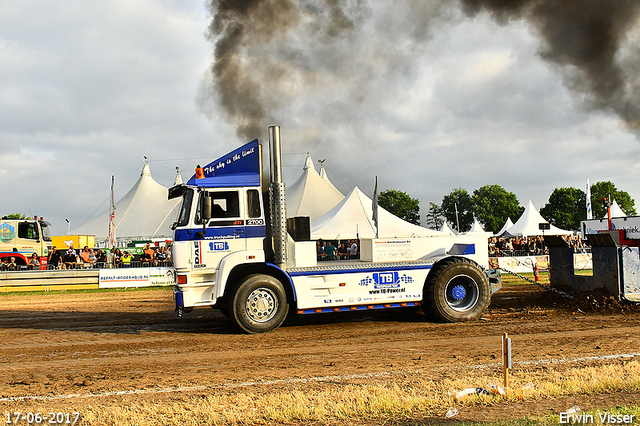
492	205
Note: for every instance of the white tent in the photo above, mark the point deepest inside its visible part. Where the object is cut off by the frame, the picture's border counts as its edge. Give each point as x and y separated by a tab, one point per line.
446	229
351	218
312	194
508	224
323	175
144	212
476	228
528	225
616	211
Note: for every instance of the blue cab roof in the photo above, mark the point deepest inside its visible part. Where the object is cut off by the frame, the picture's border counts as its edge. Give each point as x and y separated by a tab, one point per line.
240	167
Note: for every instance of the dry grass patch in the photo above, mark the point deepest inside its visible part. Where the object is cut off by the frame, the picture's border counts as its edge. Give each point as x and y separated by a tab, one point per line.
398	397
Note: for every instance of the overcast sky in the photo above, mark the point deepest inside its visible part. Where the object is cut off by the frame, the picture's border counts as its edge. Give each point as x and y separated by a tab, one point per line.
428	100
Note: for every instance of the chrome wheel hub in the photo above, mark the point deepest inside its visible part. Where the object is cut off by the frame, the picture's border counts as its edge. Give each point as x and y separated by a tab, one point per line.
261	305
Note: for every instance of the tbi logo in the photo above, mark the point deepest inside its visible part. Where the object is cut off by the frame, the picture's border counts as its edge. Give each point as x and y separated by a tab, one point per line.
219	246
386	279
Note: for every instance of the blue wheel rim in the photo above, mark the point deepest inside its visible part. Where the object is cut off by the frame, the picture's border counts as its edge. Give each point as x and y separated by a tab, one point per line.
462	293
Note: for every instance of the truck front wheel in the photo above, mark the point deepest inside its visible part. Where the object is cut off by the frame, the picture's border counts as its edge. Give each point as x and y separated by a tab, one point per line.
259	304
456	290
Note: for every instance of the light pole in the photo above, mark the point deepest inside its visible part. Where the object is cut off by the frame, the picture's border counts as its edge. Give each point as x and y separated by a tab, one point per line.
457	221
68	226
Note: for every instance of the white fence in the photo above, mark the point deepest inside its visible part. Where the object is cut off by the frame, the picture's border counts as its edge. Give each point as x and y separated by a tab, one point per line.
524	264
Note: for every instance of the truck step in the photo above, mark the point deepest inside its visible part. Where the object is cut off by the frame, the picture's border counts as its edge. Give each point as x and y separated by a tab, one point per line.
358	308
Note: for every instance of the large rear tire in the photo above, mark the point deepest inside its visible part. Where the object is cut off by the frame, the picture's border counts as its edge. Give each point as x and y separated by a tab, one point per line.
259	304
457	289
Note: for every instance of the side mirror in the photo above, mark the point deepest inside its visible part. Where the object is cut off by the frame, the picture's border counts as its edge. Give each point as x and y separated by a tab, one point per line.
205	213
205	208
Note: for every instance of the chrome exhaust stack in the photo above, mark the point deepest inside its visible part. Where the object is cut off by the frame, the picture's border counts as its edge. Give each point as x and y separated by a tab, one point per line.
277	198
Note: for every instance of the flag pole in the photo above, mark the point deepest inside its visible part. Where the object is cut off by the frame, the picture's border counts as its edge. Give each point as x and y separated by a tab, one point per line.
111	242
375	206
588	197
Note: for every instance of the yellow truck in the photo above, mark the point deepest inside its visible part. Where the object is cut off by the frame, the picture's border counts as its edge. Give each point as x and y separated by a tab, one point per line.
75	241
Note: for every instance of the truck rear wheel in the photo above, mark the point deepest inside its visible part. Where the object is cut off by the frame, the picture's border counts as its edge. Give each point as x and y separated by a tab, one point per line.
259	304
457	289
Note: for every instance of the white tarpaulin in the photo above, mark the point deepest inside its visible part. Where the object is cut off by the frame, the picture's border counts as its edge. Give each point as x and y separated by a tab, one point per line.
144	212
508	224
528	225
476	228
312	194
446	229
352	218
616	211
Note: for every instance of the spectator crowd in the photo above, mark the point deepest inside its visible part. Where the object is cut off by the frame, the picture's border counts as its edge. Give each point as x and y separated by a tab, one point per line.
528	246
117	258
348	249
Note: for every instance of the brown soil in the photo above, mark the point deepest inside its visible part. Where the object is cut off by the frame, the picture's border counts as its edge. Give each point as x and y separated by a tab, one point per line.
61	345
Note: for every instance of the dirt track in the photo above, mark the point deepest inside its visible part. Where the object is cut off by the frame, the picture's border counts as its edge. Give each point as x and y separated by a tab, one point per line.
61	344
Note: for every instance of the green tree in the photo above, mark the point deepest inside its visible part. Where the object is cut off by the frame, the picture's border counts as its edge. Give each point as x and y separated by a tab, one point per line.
460	200
16	216
400	204
602	190
434	217
493	205
566	208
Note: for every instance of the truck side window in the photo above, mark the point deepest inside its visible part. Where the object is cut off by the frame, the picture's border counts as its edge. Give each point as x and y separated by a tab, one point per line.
253	203
225	205
27	230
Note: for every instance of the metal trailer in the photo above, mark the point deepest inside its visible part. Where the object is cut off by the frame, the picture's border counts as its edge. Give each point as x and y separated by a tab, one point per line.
615	259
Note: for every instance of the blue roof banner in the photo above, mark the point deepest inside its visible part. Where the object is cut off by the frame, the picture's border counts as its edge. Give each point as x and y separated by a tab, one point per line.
244	161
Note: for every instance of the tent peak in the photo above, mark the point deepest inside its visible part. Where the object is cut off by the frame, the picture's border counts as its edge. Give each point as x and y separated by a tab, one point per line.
323	172
178	180
616	211
310	195
528	225
146	170
308	163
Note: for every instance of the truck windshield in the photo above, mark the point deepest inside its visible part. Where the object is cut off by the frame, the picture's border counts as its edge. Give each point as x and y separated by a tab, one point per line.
185	209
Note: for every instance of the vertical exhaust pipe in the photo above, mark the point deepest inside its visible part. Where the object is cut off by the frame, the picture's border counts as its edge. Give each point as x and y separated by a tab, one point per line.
277	196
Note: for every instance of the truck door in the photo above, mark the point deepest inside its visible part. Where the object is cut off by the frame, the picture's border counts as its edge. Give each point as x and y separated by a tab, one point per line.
31	241
226	230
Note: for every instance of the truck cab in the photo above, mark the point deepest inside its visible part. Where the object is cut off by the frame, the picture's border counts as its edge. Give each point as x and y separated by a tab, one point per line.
220	226
20	238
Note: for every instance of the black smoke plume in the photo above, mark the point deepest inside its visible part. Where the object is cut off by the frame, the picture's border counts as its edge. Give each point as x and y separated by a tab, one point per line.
260	63
584	39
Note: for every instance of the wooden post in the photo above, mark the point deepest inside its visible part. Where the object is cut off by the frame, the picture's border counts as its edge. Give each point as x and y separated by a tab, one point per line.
506	359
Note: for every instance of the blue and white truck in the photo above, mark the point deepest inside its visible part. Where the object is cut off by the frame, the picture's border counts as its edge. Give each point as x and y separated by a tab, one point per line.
231	251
